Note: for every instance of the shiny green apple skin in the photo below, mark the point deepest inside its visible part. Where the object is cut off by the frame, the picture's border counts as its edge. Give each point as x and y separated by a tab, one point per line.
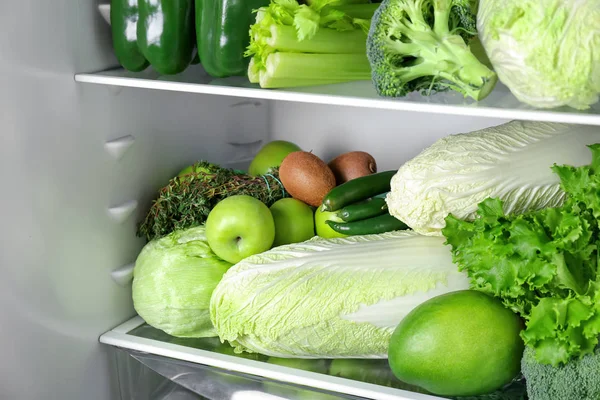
324	230
270	156
294	221
238	227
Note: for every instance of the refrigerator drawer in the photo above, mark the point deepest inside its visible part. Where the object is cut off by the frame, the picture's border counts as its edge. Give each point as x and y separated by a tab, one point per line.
210	369
148	376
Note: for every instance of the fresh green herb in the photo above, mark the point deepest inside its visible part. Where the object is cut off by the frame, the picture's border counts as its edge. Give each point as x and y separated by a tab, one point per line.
187	200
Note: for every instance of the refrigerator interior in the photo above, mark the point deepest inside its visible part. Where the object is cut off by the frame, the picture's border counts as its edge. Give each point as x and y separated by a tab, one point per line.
82	162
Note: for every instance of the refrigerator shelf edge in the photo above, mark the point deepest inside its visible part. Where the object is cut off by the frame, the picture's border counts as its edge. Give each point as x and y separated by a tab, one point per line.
499	104
119	337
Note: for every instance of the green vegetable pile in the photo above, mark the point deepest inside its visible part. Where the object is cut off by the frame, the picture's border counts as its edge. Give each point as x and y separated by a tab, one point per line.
546	52
542	264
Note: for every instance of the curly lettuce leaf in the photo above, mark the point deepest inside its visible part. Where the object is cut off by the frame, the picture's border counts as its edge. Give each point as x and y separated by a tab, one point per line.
542	265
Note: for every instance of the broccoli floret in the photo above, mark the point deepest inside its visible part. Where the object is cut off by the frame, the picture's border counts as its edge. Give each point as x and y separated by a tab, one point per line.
579	379
421	45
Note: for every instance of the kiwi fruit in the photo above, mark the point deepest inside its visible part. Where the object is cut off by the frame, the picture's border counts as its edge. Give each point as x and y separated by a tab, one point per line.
306	177
352	165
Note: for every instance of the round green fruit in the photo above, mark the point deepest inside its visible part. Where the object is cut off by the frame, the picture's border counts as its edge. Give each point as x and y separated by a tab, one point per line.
324	230
189	169
238	227
294	221
270	156
463	343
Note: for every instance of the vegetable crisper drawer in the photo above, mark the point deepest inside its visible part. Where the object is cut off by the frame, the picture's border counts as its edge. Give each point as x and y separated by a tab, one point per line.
147	376
155	365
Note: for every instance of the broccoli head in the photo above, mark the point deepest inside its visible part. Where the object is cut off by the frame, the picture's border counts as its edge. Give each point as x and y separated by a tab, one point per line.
579	379
421	45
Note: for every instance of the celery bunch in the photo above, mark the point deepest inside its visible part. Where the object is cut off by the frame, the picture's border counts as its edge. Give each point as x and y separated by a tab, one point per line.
304	45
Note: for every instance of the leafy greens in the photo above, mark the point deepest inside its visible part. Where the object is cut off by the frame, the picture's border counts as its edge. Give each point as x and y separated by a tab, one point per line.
510	161
331	298
173	281
546	51
542	264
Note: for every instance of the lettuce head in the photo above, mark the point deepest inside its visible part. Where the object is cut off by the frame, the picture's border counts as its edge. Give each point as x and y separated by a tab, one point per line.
173	281
546	51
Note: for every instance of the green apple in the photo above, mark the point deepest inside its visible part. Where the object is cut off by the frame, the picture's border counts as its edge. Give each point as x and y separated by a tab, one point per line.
186	170
324	230
238	227
189	169
270	156
294	221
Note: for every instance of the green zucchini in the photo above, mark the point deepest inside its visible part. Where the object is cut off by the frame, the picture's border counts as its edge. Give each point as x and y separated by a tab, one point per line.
365	209
379	224
357	189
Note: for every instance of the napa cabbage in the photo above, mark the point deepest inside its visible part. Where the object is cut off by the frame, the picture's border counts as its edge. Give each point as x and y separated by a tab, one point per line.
173	281
546	51
511	162
331	298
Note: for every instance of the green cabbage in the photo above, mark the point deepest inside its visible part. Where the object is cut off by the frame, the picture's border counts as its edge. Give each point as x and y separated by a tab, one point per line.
510	162
173	280
546	51
331	298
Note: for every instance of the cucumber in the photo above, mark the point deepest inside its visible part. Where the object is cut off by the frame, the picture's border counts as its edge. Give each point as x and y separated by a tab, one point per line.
357	189
366	209
379	224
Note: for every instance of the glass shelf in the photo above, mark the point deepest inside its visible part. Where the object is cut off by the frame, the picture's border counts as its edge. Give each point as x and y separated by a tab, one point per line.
499	104
300	379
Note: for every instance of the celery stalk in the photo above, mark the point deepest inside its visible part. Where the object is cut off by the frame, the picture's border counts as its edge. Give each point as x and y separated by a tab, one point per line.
253	73
338	67
283	38
364	11
335	3
269	82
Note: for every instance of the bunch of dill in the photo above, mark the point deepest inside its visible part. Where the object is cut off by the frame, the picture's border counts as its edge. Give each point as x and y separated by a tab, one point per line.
187	200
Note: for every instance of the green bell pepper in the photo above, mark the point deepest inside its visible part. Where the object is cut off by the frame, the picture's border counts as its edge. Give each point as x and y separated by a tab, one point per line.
166	34
123	21
222	29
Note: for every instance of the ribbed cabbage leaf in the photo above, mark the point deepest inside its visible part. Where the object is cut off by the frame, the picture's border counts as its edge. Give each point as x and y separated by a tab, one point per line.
511	162
331	298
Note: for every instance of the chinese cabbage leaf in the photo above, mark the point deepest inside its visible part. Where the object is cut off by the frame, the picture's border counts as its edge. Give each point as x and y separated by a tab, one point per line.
331	298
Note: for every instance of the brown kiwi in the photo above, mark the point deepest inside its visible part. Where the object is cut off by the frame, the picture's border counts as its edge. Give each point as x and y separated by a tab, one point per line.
306	177
352	165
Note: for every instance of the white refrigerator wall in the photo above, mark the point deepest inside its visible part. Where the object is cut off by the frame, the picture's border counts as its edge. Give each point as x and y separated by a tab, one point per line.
80	164
76	160
392	137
